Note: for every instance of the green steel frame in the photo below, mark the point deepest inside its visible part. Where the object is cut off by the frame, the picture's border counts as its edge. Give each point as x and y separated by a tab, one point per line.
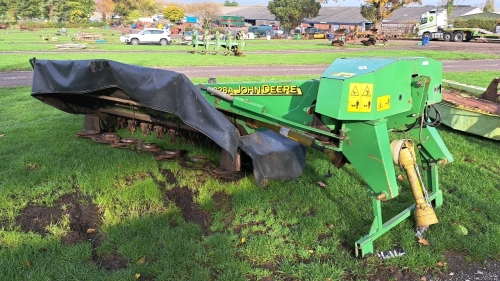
350	112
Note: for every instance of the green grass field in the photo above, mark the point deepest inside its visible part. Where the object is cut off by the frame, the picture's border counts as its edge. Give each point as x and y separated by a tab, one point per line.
18	47
291	230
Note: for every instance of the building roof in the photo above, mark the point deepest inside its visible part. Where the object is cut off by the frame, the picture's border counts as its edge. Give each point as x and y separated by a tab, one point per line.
347	15
338	15
249	12
326	14
413	13
484	15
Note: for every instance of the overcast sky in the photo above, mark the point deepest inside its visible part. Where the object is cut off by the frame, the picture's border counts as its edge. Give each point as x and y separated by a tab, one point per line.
475	3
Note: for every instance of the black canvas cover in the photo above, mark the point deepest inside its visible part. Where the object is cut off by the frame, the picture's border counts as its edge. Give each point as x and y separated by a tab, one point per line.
273	156
63	83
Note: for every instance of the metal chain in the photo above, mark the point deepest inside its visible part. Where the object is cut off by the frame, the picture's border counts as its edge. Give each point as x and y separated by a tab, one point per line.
426	194
421	229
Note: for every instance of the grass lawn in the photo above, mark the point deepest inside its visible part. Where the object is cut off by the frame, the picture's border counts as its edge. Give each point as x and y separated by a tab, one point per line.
156	220
18	47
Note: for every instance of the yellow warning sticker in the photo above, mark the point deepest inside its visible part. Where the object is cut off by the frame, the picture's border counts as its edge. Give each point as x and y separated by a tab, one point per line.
383	103
343	74
360	97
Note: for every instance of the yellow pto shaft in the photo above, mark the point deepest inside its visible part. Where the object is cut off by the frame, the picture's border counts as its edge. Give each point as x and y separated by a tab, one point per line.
424	213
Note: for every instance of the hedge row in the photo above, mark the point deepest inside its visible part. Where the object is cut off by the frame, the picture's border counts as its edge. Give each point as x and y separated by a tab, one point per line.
33	24
488	24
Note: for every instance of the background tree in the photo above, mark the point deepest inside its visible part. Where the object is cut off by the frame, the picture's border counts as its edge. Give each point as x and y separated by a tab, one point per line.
48	9
147	7
77	11
205	11
489	6
9	9
52	10
12	10
231	3
105	7
369	12
292	13
88	7
378	10
448	4
449	7
77	16
173	13
125	7
133	15
62	11
31	9
3	8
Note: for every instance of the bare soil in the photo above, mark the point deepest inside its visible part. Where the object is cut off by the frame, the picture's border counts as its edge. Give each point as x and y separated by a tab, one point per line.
191	212
84	223
472	47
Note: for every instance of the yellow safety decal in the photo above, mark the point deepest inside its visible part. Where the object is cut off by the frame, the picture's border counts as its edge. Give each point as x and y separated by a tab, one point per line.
343	74
383	103
269	90
360	97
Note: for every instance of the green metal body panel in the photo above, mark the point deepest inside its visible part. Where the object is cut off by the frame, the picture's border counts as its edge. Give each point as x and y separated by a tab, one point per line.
278	103
351	110
470	89
369	89
472	122
368	150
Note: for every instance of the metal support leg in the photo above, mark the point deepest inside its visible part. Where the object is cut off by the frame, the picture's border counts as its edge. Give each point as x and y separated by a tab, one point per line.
364	245
432	184
432	151
91	125
227	164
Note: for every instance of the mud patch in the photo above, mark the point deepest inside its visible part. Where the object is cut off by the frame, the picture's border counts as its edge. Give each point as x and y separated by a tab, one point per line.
111	262
222	202
382	271
270	267
191	212
83	218
169	176
37	219
393	273
324	236
81	213
84	225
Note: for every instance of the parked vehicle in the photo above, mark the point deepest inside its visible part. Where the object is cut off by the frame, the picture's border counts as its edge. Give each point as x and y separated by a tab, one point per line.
261	30
434	24
149	36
